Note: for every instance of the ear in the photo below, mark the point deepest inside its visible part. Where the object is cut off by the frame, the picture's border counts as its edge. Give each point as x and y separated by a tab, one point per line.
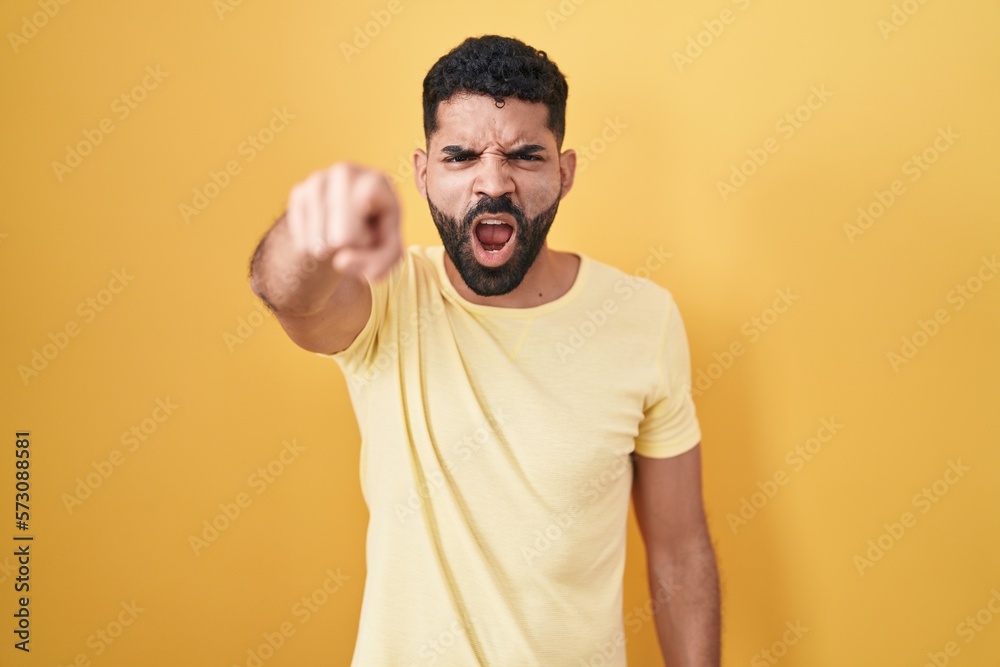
567	169
420	171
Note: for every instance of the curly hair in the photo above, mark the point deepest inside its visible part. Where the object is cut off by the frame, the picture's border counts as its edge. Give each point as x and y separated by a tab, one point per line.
500	67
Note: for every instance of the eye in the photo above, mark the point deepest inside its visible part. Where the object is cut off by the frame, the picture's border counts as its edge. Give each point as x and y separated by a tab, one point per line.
526	156
457	158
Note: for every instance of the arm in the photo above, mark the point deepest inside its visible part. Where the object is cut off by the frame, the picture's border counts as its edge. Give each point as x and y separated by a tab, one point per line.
668	506
321	309
311	269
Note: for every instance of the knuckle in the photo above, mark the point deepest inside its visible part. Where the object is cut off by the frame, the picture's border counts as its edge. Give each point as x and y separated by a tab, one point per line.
336	232
343	170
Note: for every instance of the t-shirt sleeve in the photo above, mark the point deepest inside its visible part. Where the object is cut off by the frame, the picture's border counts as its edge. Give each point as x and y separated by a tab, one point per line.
670	425
363	351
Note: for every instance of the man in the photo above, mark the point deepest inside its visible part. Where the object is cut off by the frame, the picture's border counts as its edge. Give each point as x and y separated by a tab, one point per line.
511	398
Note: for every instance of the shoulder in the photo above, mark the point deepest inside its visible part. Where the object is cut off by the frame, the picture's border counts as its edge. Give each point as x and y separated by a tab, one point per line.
416	263
422	256
636	289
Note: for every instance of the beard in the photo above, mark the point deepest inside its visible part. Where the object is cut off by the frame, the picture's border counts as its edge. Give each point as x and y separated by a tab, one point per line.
494	280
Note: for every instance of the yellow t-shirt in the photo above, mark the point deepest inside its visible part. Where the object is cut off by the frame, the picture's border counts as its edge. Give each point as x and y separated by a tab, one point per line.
495	463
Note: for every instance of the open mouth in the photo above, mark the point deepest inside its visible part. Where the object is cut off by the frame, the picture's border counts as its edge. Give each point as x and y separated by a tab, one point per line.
493	233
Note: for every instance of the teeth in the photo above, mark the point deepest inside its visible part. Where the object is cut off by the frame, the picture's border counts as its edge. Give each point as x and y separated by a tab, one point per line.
491	221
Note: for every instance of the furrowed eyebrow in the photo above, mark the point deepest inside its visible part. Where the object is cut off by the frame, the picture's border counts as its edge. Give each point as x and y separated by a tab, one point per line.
462	151
458	151
527	149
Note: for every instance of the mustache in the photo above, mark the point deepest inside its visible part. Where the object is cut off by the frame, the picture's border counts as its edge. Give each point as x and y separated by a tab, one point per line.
495	205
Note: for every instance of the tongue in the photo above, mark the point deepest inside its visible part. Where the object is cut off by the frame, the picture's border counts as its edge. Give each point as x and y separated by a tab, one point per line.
493	237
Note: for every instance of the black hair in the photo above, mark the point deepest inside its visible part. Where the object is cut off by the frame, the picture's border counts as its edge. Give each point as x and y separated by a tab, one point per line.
500	67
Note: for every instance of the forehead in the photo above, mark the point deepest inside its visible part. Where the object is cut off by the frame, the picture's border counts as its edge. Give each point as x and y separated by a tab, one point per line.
475	119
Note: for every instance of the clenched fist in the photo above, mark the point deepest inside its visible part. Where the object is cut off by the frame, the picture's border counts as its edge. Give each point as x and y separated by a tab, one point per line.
348	215
340	232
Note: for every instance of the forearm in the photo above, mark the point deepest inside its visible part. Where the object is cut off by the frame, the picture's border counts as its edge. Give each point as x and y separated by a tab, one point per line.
688	623
287	281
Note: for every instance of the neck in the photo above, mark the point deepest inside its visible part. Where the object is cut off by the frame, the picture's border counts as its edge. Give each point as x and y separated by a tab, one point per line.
550	276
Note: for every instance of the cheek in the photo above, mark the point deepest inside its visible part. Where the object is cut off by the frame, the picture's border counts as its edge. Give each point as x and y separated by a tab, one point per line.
542	198
449	195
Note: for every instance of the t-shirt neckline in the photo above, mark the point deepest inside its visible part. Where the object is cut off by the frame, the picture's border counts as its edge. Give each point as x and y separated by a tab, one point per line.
437	253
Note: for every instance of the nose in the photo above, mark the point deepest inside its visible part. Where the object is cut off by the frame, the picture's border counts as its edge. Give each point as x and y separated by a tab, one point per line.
493	176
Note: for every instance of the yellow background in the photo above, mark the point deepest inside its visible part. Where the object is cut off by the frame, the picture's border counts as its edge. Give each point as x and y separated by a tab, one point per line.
184	328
